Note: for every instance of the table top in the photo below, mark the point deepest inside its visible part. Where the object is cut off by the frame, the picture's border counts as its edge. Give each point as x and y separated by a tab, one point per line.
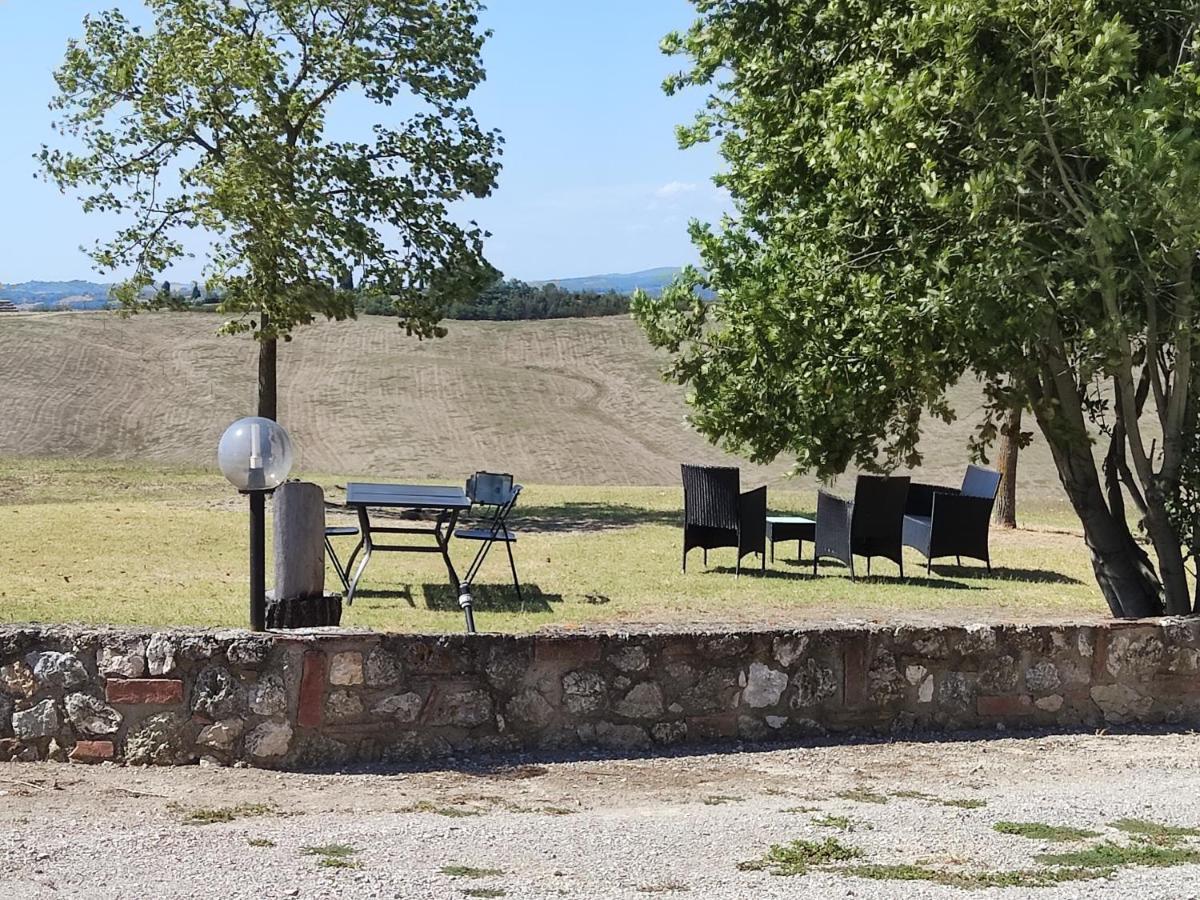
407	496
790	520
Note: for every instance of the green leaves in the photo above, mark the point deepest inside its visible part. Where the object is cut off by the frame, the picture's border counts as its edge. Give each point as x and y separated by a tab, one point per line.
924	190
215	119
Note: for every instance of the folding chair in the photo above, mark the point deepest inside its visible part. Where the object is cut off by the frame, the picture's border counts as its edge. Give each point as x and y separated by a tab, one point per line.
498	492
339	531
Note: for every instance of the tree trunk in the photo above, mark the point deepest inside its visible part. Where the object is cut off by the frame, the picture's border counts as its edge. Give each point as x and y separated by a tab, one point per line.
1010	444
1123	569
267	387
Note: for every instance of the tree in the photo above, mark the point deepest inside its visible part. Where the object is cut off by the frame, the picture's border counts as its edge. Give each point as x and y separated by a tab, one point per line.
1000	189
197	296
239	148
1005	514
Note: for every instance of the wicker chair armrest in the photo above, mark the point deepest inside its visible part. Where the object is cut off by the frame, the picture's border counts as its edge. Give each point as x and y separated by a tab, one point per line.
752	517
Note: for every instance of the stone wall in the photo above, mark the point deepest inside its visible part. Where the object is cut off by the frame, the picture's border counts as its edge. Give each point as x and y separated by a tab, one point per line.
320	699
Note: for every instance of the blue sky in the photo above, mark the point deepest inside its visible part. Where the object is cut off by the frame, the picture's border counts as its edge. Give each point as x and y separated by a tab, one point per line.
593	181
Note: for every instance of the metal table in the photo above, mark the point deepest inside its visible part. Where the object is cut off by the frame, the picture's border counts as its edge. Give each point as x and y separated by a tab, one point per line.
447	502
790	528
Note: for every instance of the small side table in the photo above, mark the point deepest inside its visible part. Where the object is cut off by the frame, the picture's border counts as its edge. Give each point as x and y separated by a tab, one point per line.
790	528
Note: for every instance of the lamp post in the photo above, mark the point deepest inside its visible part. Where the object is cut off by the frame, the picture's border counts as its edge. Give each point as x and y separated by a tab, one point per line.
255	454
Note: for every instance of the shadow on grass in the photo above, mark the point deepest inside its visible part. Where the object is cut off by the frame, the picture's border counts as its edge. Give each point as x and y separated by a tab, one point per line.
564	518
1004	573
830	569
491	598
589	517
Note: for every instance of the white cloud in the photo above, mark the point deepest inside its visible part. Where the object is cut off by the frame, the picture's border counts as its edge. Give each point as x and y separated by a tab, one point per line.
675	188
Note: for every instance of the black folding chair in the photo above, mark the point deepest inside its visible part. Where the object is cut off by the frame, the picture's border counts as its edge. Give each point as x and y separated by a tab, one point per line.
339	531
489	489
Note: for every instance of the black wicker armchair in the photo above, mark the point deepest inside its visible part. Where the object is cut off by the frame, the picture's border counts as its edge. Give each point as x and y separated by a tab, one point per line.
717	514
944	521
872	524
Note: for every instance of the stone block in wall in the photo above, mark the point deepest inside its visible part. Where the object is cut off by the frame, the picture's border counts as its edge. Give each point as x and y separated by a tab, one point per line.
155	691
39	721
529	709
164	739
815	682
566	653
56	671
269	740
1120	703
459	705
443	655
343	706
124	658
787	649
764	686
715	690
92	752
267	696
16	680
1003	707
312	690
403	708
382	669
346	668
218	694
584	693
723	646
1134	654
642	701
628	656
91	716
160	653
998	674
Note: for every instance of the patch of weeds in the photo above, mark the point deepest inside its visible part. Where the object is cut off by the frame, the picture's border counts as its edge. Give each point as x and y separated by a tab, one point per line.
1155	832
976	880
555	811
1040	831
801	809
842	823
333	856
260	842
457	871
965	803
720	800
485	892
663	887
215	815
452	812
912	795
798	857
338	862
863	795
1109	855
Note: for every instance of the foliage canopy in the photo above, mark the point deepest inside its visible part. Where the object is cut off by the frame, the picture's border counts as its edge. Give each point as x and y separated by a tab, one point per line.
930	188
223	117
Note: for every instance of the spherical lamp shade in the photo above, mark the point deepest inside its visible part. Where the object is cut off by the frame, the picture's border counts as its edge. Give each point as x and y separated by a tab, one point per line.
255	454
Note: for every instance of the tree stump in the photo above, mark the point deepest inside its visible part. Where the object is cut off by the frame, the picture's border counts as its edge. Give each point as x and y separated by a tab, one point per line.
299	599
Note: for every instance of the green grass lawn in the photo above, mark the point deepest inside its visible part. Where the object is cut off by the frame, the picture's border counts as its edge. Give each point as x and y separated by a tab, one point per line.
106	542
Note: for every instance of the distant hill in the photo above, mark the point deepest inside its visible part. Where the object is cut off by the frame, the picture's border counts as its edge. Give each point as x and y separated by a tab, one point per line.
652	281
57	294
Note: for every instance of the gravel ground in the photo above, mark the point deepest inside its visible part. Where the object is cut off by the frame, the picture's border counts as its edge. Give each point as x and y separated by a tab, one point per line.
593	827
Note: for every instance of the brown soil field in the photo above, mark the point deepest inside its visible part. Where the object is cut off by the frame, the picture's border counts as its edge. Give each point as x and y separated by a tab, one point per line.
574	401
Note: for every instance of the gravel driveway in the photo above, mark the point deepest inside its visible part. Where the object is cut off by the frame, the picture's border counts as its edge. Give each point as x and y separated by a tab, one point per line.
602	828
